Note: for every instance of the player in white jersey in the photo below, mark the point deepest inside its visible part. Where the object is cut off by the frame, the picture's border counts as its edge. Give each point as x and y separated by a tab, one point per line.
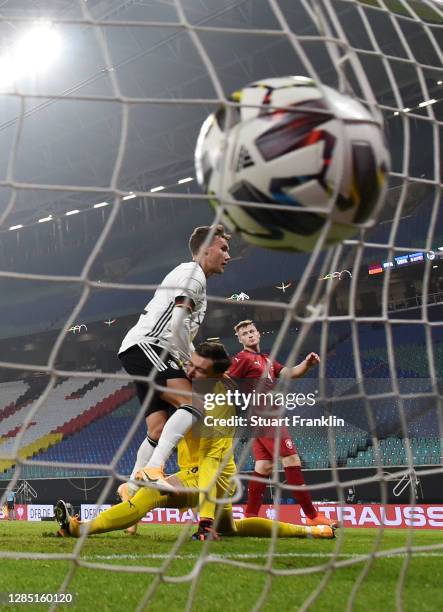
169	323
186	282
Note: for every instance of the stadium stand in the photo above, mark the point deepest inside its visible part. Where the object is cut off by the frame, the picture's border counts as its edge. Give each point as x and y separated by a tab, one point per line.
85	422
96	442
60	416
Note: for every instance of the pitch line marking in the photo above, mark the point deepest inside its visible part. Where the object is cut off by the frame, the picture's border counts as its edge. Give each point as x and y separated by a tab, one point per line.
253	556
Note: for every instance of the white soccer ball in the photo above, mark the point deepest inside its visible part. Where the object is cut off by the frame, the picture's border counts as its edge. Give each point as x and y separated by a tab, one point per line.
326	151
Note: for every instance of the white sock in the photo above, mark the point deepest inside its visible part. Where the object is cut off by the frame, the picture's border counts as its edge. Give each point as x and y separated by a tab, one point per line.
144	454
177	425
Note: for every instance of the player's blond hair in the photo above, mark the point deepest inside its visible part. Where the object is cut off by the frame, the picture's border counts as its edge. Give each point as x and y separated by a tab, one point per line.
242	324
200	234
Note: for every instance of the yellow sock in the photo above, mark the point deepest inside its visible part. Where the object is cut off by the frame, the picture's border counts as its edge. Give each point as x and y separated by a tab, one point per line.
207	478
262	528
127	513
226	523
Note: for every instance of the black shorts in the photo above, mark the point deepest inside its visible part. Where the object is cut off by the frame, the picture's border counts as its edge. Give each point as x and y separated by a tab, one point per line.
10	505
137	363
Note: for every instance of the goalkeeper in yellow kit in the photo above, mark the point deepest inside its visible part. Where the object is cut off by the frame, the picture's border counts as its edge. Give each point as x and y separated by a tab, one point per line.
206	470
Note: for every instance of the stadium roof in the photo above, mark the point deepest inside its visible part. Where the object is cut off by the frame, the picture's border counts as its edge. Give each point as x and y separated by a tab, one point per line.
65	140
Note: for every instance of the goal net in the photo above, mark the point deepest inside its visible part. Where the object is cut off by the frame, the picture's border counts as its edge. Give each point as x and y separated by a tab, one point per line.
98	194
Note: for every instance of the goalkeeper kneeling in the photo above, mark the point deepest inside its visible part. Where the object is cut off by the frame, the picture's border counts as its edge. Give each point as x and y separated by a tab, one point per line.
205	478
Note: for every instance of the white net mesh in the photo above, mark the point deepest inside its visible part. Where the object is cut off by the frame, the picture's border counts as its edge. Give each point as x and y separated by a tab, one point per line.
121	109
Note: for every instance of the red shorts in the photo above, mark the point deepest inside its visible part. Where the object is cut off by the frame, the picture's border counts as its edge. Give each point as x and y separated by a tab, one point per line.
263	447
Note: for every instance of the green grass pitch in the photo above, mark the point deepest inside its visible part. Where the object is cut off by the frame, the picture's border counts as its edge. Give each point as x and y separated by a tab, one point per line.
221	586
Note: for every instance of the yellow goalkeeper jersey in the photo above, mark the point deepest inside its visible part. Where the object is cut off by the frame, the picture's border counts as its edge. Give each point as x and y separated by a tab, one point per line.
188	451
215	436
214	441
208	453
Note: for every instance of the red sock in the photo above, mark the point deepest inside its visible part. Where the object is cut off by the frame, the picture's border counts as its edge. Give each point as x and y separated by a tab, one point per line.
256	490
295	477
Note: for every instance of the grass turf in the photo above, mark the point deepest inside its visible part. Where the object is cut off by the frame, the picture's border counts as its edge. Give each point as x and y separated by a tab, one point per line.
221	586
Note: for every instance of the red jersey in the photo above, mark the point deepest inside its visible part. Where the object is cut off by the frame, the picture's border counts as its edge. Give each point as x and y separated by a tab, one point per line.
247	364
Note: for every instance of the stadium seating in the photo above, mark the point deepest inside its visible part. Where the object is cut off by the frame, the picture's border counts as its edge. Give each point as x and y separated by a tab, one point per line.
60	416
12	395
96	443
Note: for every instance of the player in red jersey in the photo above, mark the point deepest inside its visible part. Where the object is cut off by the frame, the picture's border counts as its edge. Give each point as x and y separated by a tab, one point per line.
251	363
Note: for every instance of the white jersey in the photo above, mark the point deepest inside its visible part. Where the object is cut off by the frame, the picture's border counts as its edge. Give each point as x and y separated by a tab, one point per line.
186	281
